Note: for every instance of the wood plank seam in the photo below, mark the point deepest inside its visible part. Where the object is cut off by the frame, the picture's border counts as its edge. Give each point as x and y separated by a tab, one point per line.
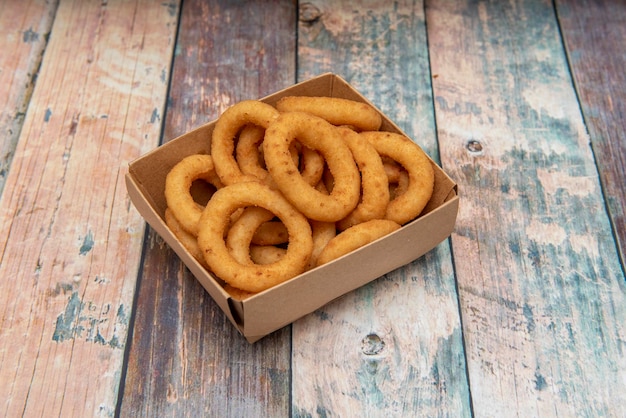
20	64
145	241
69	290
607	183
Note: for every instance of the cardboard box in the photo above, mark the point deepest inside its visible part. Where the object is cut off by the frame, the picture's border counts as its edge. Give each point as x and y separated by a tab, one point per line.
279	306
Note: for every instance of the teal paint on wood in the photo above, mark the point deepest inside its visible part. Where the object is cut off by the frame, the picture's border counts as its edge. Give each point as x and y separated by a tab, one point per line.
87	321
594	33
381	49
187	359
390	347
87	244
65	324
380	382
541	289
22	57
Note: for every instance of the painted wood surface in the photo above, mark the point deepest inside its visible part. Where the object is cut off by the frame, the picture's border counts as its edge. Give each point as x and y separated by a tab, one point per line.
594	33
542	293
24	31
521	313
393	347
186	358
70	243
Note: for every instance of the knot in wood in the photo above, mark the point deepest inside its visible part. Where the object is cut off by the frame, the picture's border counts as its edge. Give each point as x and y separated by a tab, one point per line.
474	146
309	13
372	344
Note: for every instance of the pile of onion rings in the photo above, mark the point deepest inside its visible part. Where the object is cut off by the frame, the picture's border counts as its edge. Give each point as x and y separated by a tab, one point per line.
293	186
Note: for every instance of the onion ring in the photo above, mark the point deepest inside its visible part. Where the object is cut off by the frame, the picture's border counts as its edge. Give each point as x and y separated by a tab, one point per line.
312	166
247	152
356	237
322	233
250	159
335	110
228	125
408	205
315	133
178	185
266	254
236	293
188	240
374	185
270	233
254	277
400	186
240	234
392	169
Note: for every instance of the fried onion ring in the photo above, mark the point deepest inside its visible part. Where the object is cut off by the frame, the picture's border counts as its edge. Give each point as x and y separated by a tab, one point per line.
409	204
189	241
266	254
237	294
294	186
356	237
317	134
335	110
374	185
312	166
400	186
178	185
252	277
228	125
270	233
247	152
392	169
323	233
250	159
242	230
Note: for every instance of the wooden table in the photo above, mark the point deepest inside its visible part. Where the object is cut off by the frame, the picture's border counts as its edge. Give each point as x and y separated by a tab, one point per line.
522	312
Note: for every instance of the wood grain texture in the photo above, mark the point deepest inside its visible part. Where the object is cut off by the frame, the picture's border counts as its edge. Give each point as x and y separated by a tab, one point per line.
24	30
69	241
186	358
594	32
393	347
541	289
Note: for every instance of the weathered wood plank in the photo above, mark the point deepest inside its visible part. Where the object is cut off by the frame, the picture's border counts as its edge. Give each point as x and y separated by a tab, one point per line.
393	347
542	294
69	241
594	32
186	359
24	29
